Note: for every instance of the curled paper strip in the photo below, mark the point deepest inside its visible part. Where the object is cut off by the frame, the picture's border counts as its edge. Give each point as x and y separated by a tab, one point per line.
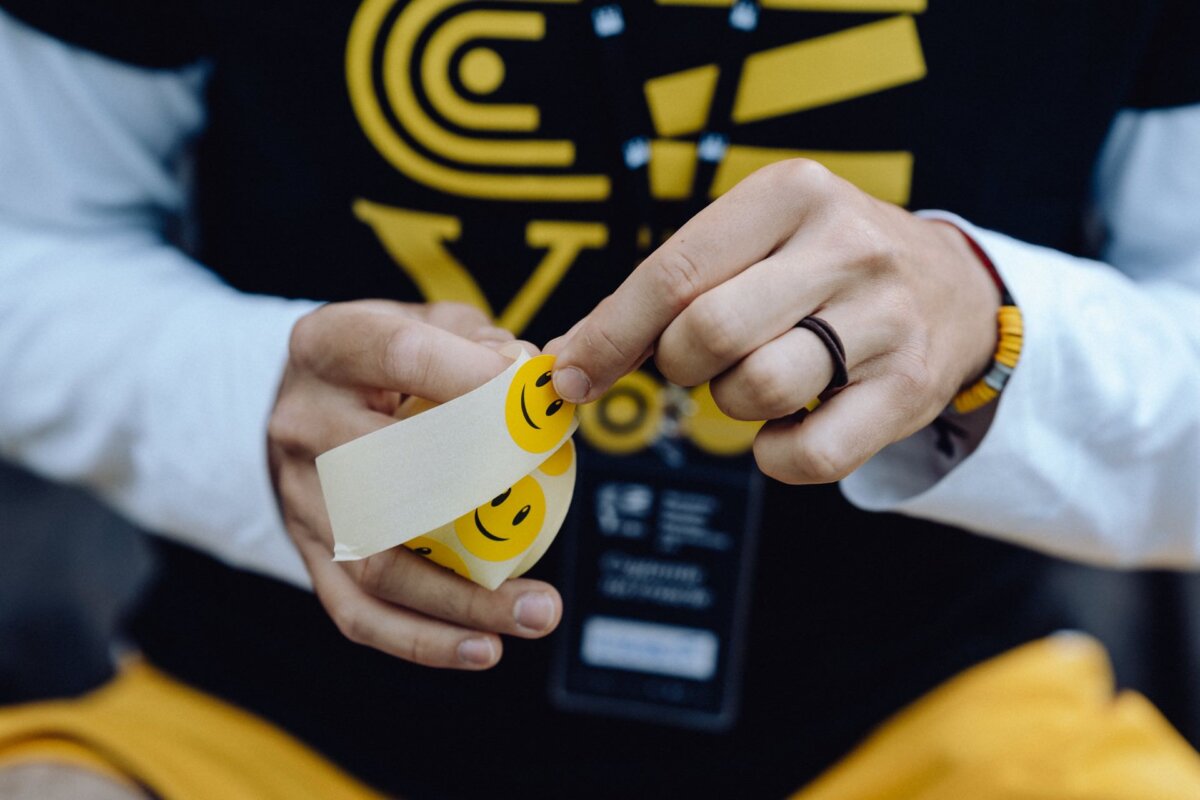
480	484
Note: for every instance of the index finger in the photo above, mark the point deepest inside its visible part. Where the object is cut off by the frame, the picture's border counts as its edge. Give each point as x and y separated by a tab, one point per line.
352	344
740	228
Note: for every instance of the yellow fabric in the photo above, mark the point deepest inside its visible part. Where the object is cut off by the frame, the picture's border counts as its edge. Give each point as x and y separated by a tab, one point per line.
1038	723
61	751
175	741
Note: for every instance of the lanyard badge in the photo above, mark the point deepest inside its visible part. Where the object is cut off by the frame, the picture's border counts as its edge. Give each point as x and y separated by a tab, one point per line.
659	548
658	561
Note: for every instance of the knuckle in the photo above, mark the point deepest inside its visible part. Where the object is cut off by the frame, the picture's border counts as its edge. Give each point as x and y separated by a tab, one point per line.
280	429
717	327
875	249
406	359
449	599
803	463
727	394
812	176
775	470
303	343
373	577
419	648
736	401
770	384
477	609
677	365
286	428
597	342
352	624
823	462
679	276
767	457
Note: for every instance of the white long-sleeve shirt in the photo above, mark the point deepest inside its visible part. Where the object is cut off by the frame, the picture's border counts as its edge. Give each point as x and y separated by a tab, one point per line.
125	365
129	367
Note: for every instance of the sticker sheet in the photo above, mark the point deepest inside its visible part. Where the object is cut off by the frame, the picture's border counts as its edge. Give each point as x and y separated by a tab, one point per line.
480	485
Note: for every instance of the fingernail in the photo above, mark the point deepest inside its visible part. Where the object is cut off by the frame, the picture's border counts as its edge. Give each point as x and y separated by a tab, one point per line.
534	611
571	384
476	651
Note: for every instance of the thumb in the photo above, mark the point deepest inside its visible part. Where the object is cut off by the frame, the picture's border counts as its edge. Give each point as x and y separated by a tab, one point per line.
597	350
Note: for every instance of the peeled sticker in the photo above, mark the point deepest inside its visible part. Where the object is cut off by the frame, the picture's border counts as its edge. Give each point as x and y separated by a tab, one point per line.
479	485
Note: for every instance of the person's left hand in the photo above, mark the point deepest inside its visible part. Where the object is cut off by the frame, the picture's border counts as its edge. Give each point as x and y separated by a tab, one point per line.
719	302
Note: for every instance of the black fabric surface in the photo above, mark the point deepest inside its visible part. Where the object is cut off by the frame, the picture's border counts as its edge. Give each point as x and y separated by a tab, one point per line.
1005	130
147	33
70	572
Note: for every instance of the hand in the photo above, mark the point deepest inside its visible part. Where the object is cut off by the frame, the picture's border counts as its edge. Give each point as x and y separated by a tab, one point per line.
719	302
349	367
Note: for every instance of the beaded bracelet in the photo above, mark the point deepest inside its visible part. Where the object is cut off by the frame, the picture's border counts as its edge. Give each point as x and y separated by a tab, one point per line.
1008	349
1008	352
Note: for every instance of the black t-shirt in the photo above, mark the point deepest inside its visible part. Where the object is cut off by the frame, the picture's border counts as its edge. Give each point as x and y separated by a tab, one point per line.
439	149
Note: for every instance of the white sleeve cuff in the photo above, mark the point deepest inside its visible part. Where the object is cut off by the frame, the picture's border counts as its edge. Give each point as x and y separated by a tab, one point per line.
134	371
914	472
213	378
1093	434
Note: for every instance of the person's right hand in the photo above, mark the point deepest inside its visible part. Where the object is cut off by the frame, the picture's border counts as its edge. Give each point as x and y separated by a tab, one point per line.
349	366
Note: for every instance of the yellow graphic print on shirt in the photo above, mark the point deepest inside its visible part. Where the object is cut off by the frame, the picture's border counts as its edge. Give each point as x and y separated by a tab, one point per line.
402	60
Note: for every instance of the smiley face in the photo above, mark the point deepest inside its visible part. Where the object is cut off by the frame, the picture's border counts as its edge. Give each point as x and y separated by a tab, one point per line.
537	418
504	527
440	554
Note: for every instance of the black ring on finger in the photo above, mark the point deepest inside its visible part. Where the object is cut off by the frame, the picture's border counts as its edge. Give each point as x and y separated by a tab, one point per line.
837	351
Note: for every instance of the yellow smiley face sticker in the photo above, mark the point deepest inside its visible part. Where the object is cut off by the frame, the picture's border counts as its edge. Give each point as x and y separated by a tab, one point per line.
561	461
506	526
439	554
536	416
